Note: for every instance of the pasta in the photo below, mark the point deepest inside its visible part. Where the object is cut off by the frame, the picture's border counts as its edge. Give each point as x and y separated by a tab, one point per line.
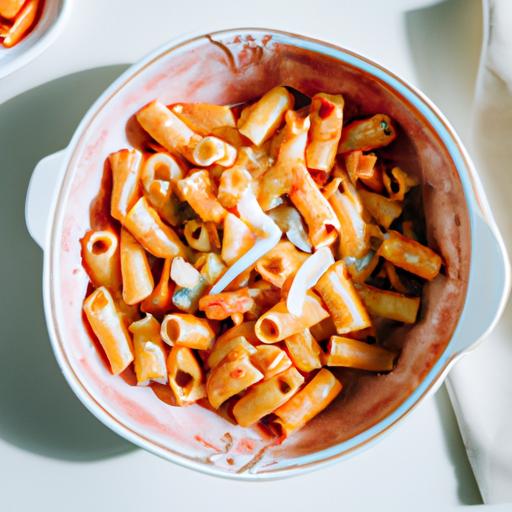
267	396
308	402
336	289
138	280
100	254
126	189
351	353
110	330
246	249
148	350
20	17
188	331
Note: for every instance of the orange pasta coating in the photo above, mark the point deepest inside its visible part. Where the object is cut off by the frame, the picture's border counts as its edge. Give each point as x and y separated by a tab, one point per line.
304	351
222	305
352	353
185	375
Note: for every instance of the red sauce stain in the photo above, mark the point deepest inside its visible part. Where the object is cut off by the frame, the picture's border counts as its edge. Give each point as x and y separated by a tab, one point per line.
245	445
207	444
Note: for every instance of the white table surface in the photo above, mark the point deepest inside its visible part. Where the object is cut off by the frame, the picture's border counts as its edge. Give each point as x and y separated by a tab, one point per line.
53	454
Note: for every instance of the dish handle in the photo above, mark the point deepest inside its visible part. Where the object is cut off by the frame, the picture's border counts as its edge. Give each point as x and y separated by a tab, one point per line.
488	287
41	189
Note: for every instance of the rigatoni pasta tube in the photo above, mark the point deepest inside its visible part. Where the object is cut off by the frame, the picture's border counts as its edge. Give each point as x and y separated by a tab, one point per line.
323	225
280	263
245	329
100	255
381	208
270	360
278	323
351	353
259	121
212	150
156	237
278	180
138	280
325	132
204	118
167	129
126	168
266	396
304	351
185	375
232	375
223	346
188	331
161	166
197	190
365	134
410	255
222	305
160	300
387	304
233	183
109	328
148	351
342	300
312	399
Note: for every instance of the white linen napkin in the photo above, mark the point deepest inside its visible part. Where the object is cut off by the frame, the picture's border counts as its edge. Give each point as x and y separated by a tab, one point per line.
480	385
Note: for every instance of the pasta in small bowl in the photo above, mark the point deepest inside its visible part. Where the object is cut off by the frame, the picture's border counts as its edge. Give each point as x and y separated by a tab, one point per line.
264	251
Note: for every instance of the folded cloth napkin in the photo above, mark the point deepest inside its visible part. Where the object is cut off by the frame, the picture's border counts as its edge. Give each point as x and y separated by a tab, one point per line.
480	385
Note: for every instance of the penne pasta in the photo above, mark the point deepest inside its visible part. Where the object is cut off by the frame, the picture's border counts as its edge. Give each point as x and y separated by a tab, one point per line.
212	150
156	237
280	263
270	360
126	189
138	280
197	190
304	350
187	330
410	255
278	323
23	22
382	209
398	183
222	305
196	235
318	214
246	329
392	305
367	134
259	121
233	183
162	167
185	375
168	129
204	118
342	301
109	328
234	374
312	399
351	353
148	350
160	300
237	239
10	8
279	179
100	256
266	396
224	345
325	132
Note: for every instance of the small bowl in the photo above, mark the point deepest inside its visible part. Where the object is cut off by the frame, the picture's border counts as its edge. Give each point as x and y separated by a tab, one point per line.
38	40
228	67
